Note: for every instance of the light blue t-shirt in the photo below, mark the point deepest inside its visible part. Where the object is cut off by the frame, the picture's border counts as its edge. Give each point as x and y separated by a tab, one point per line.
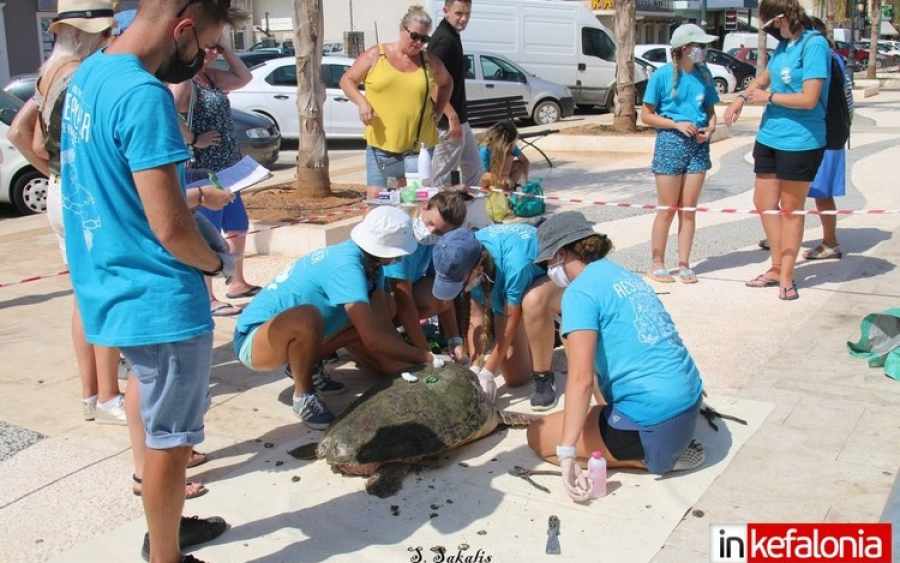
790	129
411	267
643	367
485	153
119	119
328	278
696	91
513	248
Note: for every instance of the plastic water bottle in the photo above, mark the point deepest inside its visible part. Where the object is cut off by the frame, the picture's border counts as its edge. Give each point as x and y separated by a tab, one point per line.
597	475
424	166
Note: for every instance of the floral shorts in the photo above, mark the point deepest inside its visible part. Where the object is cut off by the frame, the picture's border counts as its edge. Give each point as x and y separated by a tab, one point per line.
676	154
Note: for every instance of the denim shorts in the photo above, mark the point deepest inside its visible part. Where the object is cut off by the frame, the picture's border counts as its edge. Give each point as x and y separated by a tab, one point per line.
395	164
676	154
243	346
664	442
232	218
174	384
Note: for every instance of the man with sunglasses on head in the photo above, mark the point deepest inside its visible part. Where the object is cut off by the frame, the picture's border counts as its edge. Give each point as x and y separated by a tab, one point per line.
456	145
137	257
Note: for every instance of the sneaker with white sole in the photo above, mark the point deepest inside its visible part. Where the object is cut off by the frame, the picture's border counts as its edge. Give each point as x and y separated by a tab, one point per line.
89	409
543	391
313	411
321	380
692	457
114	414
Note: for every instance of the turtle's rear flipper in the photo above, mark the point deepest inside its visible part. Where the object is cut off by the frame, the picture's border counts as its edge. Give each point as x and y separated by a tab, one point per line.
510	418
306	451
388	480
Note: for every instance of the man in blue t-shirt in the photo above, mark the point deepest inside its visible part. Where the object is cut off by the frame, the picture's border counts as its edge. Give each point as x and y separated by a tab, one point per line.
136	256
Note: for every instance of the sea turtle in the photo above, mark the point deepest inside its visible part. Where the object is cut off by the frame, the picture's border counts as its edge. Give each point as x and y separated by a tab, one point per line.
396	423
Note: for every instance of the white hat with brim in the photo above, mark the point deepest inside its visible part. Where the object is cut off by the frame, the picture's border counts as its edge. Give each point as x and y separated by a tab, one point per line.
90	16
386	232
690	33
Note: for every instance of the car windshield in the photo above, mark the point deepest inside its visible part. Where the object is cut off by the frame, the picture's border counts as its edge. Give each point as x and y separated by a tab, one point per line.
9	107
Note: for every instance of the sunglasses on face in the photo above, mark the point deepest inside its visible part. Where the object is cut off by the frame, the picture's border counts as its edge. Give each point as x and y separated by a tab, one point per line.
771	21
415	36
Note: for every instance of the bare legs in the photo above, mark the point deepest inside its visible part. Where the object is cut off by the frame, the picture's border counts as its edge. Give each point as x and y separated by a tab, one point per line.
784	232
98	366
829	222
675	191
540	305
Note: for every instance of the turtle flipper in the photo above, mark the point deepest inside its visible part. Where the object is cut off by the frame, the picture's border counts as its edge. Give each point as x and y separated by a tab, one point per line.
306	451
510	418
388	480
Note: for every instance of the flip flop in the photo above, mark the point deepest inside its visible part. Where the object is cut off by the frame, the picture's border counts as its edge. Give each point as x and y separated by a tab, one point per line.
226	310
687	276
192	489
249	293
197	459
761	281
661	275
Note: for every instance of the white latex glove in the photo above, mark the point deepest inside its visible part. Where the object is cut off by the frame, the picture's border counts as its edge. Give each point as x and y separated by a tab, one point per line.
210	233
459	356
440	360
574	480
486	380
228	268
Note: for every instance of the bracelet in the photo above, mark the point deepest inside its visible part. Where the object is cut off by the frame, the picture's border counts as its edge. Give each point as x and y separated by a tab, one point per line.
744	97
771	95
454	341
565	452
216	272
193	140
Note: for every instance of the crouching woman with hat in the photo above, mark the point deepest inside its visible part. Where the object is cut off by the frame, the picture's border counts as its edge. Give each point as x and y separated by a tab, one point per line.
332	298
622	345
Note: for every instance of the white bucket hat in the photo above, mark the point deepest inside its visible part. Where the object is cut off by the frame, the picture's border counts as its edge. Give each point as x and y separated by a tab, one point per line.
91	16
386	232
690	33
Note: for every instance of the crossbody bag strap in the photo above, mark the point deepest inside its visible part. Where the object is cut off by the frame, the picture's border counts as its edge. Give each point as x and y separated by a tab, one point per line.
424	101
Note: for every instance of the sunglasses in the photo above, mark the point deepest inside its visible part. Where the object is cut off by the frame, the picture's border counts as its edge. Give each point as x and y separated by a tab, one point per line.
415	36
771	21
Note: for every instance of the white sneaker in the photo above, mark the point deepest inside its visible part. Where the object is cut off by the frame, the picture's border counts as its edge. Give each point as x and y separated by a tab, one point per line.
114	414
692	457
89	410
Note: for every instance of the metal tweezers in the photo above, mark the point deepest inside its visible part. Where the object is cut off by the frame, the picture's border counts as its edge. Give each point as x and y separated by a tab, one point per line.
709	414
524	473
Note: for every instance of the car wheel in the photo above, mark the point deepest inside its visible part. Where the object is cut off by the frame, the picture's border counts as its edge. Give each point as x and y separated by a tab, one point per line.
29	193
864	63
721	86
745	83
546	112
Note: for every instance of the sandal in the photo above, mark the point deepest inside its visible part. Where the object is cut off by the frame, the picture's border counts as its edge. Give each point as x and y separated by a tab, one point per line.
192	489
763	243
823	252
661	275
761	281
197	459
225	310
687	275
789	293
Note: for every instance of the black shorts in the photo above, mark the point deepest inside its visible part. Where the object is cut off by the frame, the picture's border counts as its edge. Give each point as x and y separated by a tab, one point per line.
794	166
624	445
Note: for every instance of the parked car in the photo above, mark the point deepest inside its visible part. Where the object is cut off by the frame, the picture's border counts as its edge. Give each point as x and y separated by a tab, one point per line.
743	72
20	183
333	48
250	58
748	54
860	55
661	54
22	86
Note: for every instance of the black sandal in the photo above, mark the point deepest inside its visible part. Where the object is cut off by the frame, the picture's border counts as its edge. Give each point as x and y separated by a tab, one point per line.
786	295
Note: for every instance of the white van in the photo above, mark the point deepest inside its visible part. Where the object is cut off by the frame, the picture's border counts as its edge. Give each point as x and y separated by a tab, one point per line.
738	39
556	40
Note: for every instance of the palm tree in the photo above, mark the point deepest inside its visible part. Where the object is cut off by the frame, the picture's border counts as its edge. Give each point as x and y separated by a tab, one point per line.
625	119
312	154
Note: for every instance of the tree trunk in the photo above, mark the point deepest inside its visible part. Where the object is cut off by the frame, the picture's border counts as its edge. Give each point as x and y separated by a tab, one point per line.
625	119
312	153
875	15
762	53
829	19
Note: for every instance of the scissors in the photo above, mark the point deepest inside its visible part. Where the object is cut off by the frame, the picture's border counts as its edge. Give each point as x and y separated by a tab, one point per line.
524	473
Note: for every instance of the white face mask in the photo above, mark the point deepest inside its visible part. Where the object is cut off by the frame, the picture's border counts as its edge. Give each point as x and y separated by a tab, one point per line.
423	236
697	54
473	284
557	274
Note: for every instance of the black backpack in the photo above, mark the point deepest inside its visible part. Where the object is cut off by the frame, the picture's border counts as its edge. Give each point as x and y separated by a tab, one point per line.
837	112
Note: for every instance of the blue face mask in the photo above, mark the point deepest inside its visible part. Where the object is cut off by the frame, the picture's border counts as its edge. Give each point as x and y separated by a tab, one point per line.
697	54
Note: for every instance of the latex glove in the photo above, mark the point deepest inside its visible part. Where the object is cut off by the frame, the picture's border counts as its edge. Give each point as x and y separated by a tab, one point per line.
574	480
486	380
228	267
440	360
458	355
211	234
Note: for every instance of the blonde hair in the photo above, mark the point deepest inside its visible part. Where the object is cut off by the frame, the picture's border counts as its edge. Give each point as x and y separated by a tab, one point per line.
416	14
500	138
71	44
677	53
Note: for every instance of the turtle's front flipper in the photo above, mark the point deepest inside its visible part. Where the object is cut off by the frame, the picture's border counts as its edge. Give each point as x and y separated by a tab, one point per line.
306	451
388	480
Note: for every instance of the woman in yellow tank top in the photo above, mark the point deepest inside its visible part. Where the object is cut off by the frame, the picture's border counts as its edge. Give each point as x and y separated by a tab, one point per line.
399	80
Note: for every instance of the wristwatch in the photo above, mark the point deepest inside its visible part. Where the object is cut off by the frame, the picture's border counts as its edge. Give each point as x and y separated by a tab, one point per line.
770	98
565	452
217	271
745	97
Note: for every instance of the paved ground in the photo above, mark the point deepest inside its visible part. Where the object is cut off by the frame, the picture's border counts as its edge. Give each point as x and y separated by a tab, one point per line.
823	444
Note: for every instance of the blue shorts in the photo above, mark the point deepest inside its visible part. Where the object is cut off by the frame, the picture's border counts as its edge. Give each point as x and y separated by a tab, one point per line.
243	346
675	154
382	164
230	219
174	384
831	178
663	443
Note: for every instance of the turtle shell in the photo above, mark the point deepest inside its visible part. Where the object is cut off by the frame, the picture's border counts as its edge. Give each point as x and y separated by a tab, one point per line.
399	421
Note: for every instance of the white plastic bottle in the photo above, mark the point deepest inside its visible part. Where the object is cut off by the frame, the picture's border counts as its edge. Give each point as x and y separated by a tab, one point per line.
424	166
597	474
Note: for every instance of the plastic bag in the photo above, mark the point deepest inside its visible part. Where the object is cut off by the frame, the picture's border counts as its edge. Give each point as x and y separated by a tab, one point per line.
524	206
497	205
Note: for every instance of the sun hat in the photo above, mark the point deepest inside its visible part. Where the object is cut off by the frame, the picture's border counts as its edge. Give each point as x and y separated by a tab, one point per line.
559	230
386	232
453	257
91	16
123	20
690	33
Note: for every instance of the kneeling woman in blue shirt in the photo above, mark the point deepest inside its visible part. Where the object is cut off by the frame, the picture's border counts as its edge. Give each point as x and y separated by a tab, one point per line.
331	298
621	344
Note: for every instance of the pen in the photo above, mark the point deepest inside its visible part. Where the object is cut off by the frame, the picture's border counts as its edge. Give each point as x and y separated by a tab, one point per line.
215	181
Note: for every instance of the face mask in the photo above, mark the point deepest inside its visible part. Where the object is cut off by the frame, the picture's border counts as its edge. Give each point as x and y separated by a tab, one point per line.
772	29
473	284
557	274
697	54
420	231
176	71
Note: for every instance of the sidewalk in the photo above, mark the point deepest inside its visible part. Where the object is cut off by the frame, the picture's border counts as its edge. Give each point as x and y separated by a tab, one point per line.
820	444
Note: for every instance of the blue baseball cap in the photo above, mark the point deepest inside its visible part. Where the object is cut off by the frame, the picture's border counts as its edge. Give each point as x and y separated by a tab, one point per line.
453	257
123	20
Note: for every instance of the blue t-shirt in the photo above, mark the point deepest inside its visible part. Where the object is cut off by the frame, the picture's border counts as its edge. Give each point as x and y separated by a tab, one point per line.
328	278
485	153
513	248
119	119
696	91
790	129
643	367
411	267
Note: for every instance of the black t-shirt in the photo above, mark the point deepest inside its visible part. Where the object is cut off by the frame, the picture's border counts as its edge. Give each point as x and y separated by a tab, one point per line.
446	45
